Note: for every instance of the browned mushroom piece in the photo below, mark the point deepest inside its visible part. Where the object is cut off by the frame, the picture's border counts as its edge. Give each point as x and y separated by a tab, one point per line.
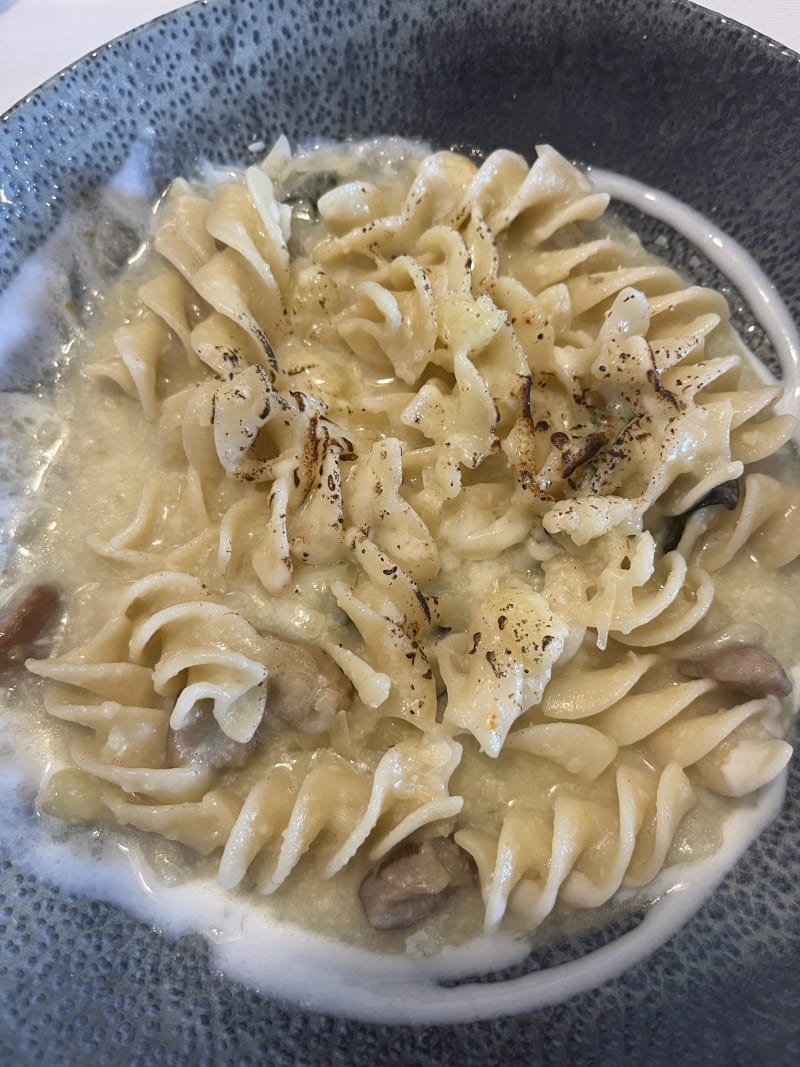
413	882
745	667
23	619
202	742
305	688
725	495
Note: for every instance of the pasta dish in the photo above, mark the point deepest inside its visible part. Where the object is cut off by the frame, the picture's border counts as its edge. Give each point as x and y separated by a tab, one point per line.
397	546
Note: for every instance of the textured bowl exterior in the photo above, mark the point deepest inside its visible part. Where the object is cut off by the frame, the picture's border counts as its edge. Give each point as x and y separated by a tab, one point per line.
660	90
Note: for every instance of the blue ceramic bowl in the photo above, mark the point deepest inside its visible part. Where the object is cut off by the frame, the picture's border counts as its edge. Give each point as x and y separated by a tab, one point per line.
660	90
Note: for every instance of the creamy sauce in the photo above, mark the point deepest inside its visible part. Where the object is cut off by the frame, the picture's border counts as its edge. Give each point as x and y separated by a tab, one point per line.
249	941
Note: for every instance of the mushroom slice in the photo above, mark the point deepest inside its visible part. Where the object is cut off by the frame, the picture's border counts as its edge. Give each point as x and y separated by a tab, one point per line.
201	742
24	617
413	882
725	495
745	667
305	688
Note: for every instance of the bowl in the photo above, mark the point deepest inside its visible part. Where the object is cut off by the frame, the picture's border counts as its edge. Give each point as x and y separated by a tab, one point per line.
666	93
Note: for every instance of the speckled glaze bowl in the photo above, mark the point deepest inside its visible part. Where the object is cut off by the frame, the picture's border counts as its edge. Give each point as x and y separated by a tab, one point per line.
660	90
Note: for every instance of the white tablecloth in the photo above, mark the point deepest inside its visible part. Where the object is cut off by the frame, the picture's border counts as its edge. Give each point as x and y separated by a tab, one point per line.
40	37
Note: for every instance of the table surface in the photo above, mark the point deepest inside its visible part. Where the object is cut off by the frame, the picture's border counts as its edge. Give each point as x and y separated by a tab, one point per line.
29	55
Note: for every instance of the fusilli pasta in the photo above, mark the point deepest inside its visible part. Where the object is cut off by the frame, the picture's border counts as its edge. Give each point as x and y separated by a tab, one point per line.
433	507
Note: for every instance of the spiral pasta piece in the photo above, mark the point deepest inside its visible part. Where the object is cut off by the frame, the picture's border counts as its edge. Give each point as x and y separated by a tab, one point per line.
766	521
537	860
